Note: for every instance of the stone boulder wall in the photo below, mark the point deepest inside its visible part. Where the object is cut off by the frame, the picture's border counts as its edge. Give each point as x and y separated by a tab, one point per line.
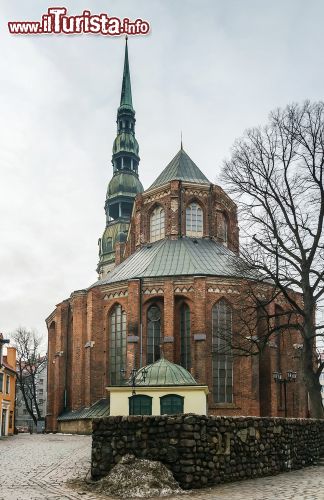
201	450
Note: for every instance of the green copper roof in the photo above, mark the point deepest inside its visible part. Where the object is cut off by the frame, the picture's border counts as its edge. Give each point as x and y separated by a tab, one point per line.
126	92
181	168
163	372
112	234
125	142
182	257
124	184
100	409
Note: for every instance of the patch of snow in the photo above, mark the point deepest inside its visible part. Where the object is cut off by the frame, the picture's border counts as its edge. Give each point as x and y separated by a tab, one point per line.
138	478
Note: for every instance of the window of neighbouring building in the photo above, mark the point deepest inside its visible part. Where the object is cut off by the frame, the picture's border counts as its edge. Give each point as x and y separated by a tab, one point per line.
1	382
185	351
171	404
117	344
194	220
140	405
157	224
7	384
222	359
153	334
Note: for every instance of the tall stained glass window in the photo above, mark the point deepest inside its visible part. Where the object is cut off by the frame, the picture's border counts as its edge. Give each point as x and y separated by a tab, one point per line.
185	352
222	358
153	334
117	344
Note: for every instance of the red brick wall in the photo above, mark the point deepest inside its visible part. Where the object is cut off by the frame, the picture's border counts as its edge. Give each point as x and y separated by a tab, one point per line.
255	392
174	198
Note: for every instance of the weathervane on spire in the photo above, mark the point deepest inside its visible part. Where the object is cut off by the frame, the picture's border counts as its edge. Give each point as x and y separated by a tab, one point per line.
181	140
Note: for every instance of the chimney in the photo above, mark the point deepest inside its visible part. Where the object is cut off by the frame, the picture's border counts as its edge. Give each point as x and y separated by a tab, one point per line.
119	252
11	357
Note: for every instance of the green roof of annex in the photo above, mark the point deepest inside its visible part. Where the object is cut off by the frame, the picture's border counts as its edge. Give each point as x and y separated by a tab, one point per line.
164	373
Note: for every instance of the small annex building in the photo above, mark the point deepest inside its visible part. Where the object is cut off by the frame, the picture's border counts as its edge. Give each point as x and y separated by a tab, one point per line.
162	388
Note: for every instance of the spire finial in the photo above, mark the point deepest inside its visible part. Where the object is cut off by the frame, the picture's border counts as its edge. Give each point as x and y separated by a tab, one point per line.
181	140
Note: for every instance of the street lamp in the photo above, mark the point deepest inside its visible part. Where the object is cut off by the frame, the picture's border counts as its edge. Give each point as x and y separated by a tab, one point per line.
133	376
291	377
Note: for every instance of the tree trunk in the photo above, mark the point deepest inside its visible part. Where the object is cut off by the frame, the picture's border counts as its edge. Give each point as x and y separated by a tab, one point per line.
315	401
312	381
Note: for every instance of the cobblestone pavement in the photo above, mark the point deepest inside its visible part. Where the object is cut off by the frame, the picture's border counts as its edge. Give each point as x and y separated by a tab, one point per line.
38	466
304	484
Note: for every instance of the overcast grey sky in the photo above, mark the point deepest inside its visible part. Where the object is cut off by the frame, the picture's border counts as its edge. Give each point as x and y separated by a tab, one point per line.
210	68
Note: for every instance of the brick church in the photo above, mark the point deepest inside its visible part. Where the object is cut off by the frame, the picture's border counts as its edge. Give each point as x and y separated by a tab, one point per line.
167	282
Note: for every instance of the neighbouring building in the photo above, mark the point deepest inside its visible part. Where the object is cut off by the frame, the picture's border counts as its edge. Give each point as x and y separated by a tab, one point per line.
168	281
23	418
7	388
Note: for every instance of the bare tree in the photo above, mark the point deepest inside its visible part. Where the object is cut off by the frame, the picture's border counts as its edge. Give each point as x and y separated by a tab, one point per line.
275	173
30	364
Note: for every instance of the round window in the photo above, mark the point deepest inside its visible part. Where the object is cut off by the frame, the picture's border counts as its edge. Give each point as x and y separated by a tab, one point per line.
154	314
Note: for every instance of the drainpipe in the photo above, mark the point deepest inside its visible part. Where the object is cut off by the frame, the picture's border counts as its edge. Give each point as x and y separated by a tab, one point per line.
180	210
210	209
141	320
66	356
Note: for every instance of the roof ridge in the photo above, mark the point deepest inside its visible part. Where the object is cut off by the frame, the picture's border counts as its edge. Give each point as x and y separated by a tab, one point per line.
121	266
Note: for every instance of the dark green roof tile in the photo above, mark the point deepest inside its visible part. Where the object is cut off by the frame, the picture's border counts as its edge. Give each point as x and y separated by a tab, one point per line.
181	257
99	409
180	168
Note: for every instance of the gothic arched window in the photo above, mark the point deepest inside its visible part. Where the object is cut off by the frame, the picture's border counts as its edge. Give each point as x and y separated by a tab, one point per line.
117	344
194	220
153	334
157	224
185	352
222	359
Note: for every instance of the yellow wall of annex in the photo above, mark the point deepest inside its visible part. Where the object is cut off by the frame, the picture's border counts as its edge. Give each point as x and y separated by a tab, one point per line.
7	401
194	398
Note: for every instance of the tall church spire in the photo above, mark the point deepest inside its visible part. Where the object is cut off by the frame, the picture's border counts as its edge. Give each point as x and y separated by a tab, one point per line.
125	148
126	92
125	183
